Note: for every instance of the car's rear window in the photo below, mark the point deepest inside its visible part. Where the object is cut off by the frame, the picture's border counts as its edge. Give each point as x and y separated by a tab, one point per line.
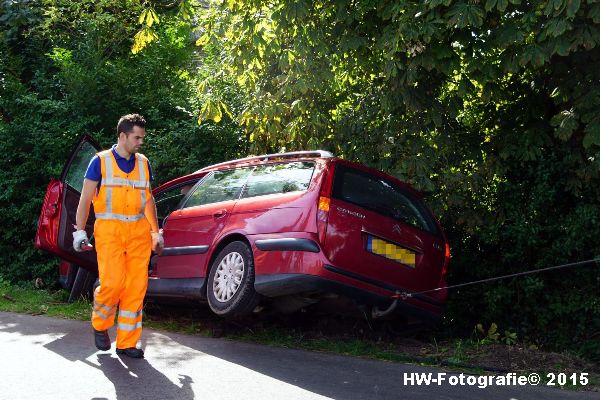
381	196
279	178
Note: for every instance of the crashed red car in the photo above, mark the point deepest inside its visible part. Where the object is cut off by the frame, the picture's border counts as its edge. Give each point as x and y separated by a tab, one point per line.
283	230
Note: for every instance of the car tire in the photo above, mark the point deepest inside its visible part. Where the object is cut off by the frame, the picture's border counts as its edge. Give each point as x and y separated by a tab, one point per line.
82	285
230	287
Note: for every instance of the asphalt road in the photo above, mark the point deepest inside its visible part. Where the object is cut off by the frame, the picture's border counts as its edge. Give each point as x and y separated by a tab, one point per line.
46	358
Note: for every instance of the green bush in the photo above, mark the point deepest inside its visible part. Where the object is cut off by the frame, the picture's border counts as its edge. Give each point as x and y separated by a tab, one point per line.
56	85
536	222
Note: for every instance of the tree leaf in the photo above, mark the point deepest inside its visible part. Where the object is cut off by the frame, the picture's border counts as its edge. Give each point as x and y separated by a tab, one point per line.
562	46
203	39
594	13
572	8
218	113
462	15
142	16
509	34
203	86
502	4
143	38
592	135
535	55
553	6
226	109
186	10
434	3
588	36
554	28
565	122
489	5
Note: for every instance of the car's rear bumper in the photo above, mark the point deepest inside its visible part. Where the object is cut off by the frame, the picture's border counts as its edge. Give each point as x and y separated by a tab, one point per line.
306	269
276	285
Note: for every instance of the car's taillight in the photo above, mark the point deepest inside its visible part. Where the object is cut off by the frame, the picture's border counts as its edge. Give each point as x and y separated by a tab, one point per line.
324	201
446	260
322	216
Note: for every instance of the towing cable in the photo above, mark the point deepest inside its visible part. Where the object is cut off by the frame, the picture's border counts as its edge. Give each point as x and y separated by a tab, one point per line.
406	295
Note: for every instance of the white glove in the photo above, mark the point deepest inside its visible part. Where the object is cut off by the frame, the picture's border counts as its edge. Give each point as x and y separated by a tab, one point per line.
81	241
158	243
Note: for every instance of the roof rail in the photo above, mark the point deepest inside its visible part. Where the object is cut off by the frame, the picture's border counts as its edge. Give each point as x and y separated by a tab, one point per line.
267	157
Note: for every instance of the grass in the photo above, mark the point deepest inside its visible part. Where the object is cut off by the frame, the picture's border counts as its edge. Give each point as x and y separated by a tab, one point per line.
41	302
358	339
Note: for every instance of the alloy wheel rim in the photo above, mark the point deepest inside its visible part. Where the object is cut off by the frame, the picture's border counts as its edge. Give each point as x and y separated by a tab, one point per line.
228	277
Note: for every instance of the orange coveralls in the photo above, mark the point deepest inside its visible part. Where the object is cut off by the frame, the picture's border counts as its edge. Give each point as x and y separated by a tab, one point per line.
123	246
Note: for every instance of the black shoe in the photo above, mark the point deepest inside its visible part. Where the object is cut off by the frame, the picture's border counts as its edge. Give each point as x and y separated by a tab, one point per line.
102	340
132	352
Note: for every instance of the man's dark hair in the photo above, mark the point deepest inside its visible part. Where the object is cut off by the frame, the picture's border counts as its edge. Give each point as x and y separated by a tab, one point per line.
127	122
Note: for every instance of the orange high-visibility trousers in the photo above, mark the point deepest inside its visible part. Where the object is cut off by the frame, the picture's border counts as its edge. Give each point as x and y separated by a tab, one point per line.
123	250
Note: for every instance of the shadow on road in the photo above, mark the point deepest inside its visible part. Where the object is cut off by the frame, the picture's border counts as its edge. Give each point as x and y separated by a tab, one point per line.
128	375
74	341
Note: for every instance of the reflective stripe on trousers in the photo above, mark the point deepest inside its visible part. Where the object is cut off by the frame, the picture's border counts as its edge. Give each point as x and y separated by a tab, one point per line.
104	312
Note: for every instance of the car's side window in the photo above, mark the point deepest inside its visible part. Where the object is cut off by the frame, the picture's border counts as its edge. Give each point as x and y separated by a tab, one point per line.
381	196
279	178
79	164
168	200
218	186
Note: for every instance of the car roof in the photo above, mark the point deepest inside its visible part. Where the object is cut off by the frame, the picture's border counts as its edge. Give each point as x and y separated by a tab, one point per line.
247	161
253	160
288	156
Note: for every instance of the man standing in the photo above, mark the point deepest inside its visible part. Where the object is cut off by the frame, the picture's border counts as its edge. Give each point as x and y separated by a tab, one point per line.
117	181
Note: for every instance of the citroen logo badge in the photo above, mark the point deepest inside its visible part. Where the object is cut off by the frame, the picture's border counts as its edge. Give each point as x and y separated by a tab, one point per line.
396	228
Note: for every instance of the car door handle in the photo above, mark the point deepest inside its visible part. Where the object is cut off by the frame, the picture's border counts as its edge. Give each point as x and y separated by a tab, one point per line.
220	213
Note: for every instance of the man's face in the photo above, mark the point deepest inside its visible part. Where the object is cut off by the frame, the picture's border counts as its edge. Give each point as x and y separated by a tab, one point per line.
134	140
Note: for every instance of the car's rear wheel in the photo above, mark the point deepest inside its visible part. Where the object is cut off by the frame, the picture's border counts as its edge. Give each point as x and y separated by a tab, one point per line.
230	288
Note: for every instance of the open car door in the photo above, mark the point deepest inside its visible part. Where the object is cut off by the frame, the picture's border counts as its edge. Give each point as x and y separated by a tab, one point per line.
57	218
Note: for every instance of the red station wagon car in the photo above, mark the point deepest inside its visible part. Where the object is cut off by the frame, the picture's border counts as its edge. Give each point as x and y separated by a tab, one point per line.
286	230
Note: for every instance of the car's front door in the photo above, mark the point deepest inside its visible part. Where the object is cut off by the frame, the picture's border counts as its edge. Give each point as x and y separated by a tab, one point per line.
190	231
57	218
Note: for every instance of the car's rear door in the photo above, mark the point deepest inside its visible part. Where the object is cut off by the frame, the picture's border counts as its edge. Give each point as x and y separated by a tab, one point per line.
57	217
381	232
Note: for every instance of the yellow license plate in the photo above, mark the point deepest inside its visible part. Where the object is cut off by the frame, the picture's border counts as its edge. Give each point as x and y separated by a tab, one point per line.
390	250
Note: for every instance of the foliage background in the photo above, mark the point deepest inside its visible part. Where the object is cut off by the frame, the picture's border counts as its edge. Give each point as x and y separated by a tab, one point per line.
66	69
489	107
